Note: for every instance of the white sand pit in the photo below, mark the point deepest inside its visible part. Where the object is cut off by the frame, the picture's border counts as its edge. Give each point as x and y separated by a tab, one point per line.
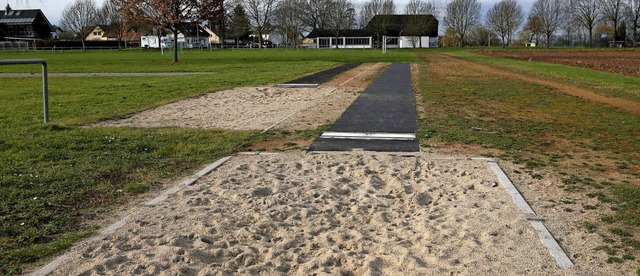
331	213
258	108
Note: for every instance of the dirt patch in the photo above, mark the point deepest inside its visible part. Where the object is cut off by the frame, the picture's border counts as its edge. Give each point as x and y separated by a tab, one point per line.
625	62
259	108
627	105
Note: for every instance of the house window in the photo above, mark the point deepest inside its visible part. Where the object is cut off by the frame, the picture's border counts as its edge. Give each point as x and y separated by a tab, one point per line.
97	33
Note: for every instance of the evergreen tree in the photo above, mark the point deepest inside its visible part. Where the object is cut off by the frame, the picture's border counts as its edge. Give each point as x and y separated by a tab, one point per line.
239	28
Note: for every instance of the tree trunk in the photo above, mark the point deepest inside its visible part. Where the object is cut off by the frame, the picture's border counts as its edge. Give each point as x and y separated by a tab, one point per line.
82	44
175	46
591	38
548	40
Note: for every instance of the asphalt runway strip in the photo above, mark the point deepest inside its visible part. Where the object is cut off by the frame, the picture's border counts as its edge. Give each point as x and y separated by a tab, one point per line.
385	109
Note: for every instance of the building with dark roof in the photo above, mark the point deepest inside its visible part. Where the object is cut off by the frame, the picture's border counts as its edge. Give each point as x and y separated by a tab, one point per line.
402	31
24	25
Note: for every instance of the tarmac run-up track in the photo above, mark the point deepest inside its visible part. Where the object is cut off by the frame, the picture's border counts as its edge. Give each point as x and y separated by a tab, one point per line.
383	118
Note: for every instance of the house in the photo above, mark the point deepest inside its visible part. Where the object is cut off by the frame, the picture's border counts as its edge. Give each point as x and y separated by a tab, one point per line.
24	25
101	33
57	32
400	31
191	37
346	39
110	33
406	31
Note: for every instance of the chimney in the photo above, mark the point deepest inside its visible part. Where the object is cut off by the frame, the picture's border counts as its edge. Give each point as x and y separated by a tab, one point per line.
7	9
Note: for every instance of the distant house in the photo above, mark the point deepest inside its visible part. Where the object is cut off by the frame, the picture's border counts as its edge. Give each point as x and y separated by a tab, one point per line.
192	37
101	33
110	33
24	25
401	31
57	32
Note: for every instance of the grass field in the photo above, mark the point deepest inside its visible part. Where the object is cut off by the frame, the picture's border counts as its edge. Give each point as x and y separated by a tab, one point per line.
56	180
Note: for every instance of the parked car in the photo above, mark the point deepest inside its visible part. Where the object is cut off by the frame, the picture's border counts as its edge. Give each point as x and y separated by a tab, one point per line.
254	45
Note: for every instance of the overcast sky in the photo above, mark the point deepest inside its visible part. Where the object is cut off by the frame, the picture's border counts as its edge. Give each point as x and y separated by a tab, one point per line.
53	8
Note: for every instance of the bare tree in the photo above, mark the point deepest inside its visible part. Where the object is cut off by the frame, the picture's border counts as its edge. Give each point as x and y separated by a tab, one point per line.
420	7
612	11
342	16
261	14
551	13
79	18
173	15
288	20
532	29
376	7
373	8
587	12
633	13
110	15
462	16
416	23
504	18
315	13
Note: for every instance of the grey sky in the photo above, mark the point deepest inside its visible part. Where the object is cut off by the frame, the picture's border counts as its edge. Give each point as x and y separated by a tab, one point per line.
53	8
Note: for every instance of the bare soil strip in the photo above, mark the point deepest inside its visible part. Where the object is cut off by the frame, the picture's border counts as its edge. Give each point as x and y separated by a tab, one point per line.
627	105
625	62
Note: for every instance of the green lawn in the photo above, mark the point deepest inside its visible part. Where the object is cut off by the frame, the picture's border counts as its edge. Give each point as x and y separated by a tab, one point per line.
56	177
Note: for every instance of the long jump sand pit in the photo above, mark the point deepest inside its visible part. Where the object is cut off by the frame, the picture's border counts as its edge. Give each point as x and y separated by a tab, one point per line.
258	108
356	213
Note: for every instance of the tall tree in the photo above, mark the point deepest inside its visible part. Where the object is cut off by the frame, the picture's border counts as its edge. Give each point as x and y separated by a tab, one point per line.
79	17
612	11
462	16
587	12
416	23
504	18
110	15
260	13
239	27
377	7
173	15
551	13
633	13
420	7
288	20
532	29
342	16
315	14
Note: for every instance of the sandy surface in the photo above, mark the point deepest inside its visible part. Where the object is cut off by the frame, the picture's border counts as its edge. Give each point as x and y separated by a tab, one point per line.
257	108
337	214
361	213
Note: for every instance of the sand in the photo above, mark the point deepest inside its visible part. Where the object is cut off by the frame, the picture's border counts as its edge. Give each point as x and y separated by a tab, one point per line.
258	108
330	213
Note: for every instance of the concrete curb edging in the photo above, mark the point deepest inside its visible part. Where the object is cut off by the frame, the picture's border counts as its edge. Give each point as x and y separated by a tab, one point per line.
545	236
51	266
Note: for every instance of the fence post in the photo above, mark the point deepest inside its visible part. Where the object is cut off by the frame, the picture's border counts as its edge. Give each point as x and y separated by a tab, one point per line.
45	80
